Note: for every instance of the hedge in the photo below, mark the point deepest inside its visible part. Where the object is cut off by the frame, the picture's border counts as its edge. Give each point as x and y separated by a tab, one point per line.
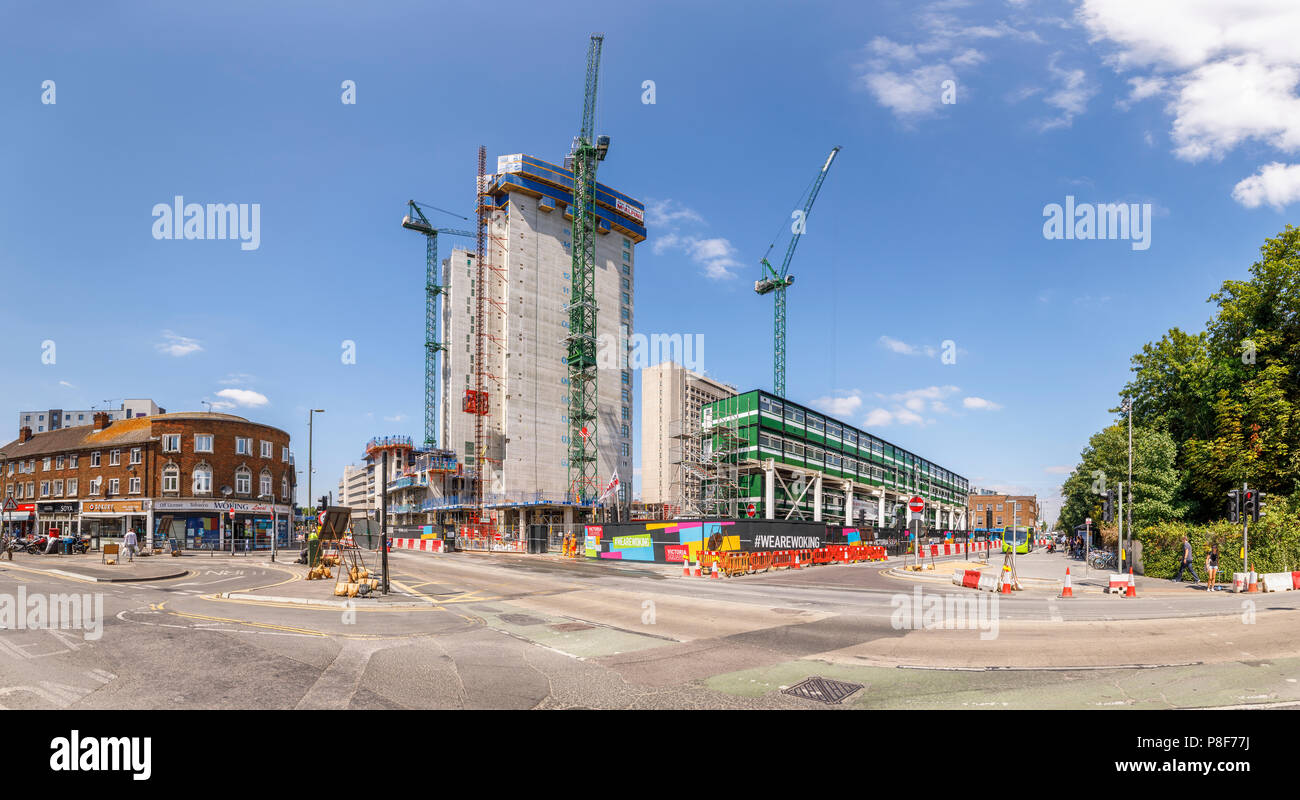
1274	544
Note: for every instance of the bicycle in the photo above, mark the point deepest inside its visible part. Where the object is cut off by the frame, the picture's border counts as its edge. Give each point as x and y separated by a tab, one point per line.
1103	559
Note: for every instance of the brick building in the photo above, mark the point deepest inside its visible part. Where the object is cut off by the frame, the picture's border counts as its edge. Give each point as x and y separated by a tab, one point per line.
1002	507
189	469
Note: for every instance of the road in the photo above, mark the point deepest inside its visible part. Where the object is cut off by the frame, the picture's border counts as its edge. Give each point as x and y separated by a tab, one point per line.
516	631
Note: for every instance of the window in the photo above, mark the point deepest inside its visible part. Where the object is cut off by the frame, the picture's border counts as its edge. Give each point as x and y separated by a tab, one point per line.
203	444
835	429
243	480
114	457
135	455
58	462
203	478
627	300
171	443
627	396
58	488
627	269
999	506
625	449
264	485
243	446
627	284
94	459
171	478
45	465
627	244
284	454
45	488
72	487
284	487
627	379
31	489
624	431
626	314
769	406
627	414
113	484
134	485
266	449
793	449
626	256
979	506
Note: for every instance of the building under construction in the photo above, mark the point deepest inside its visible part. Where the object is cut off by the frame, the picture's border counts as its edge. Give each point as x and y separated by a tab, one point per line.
769	458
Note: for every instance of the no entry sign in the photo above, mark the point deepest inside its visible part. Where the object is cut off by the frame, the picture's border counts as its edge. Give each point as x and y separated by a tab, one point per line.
916	505
749	510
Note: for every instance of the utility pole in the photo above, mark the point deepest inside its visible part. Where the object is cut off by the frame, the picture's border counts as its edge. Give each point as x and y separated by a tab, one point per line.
383	517
310	412
1128	527
1119	539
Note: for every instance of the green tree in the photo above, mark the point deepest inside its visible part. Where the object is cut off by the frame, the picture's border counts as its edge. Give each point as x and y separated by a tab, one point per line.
1103	466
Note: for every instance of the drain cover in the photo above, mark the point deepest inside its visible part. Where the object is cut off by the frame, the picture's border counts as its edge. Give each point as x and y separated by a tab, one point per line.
522	619
567	627
823	690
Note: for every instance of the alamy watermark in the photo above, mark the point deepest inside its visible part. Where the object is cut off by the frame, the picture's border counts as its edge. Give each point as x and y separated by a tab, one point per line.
47	612
77	753
1099	221
181	220
972	612
639	351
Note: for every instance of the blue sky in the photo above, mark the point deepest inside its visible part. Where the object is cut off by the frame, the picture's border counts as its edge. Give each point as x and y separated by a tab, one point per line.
929	227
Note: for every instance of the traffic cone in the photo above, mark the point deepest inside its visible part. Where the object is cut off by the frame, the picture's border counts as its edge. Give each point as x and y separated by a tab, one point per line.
796	560
1006	580
1132	590
698	572
716	574
1252	584
686	568
1067	591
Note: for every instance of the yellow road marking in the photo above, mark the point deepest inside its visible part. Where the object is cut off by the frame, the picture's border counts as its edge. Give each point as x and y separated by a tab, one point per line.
306	631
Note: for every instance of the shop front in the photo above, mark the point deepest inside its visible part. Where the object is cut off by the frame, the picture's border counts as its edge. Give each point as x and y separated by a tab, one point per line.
64	519
111	519
224	525
19	520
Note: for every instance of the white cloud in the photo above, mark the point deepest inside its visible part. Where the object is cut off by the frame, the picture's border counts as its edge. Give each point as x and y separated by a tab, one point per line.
242	397
842	407
913	93
903	348
910	407
716	256
222	405
1230	71
979	404
65	383
1070	97
176	345
1276	184
395	418
660	213
879	418
236	378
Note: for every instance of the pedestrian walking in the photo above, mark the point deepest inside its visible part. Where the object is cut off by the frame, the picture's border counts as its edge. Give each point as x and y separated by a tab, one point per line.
128	543
1186	563
1212	566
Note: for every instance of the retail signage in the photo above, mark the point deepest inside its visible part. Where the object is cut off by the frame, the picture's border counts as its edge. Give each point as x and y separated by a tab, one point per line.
57	508
112	506
215	505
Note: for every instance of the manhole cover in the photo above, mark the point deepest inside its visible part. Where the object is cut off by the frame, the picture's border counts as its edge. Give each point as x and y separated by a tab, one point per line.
522	619
823	690
566	627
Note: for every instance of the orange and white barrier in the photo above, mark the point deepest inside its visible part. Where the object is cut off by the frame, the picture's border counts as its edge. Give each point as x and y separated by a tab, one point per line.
974	579
427	545
1280	581
1118	584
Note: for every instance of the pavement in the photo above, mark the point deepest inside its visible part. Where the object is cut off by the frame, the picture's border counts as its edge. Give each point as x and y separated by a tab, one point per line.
468	630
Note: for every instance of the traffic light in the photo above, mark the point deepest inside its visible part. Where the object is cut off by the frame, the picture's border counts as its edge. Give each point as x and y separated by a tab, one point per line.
324	502
1234	506
1108	506
1248	507
1259	507
988	519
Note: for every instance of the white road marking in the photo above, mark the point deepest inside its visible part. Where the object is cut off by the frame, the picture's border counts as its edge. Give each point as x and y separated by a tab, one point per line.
337	685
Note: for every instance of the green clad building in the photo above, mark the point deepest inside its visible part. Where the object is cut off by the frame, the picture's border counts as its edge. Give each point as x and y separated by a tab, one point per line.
770	458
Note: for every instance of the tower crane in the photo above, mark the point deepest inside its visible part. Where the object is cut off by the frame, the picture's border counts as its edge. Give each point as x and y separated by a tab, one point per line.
773	281
587	151
416	220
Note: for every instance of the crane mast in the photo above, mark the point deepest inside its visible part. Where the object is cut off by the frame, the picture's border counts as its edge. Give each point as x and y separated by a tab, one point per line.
587	151
774	281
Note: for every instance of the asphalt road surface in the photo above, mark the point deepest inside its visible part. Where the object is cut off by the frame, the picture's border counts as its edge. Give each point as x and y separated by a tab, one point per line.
517	631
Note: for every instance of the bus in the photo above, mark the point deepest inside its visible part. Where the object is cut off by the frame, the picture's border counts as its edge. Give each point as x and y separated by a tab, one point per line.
1021	538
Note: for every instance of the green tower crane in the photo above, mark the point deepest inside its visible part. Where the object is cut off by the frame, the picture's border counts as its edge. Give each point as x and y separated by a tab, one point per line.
773	281
415	220
587	151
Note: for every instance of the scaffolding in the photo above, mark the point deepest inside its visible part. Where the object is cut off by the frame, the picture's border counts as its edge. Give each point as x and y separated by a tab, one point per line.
721	445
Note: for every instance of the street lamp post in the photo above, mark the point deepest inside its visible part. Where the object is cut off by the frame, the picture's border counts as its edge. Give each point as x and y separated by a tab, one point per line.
270	500
4	465
310	412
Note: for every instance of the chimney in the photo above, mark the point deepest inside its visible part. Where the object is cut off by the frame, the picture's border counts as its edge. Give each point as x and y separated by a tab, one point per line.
24	434
101	421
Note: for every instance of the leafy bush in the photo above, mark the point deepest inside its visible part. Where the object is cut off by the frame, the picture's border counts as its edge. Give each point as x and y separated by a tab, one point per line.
1274	543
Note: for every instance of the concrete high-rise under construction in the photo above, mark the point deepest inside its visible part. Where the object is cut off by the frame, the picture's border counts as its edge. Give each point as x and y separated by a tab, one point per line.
527	284
672	451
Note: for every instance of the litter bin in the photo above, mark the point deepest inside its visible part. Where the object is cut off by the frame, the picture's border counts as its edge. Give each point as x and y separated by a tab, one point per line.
313	551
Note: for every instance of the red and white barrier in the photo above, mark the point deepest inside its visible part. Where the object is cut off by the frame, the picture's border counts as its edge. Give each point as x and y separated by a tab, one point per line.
427	545
1279	581
1118	584
974	579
